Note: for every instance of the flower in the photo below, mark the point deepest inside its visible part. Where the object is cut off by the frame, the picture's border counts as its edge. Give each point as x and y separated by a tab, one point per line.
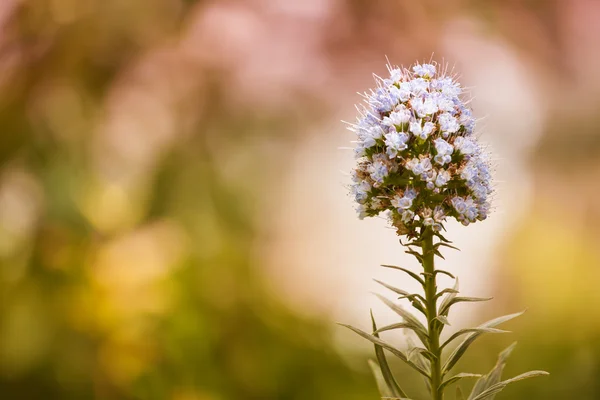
417	158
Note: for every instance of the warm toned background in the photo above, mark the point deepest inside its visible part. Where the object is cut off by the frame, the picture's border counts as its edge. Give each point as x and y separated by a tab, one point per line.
173	217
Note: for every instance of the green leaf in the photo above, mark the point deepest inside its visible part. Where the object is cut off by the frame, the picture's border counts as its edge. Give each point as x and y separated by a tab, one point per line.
441	271
415	324
414	351
443	320
448	298
392	288
414	298
471	330
421	361
414	253
388	347
456	378
398	325
462	348
447	290
498	387
409	272
445	306
442	238
494	376
437	253
447	245
386	373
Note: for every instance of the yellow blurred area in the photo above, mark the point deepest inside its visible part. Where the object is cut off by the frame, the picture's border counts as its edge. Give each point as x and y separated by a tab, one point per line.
174	223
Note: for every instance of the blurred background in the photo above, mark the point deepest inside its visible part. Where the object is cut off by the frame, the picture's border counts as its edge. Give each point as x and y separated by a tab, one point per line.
174	222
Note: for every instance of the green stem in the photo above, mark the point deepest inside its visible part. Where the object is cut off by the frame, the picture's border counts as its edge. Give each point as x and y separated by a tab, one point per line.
434	325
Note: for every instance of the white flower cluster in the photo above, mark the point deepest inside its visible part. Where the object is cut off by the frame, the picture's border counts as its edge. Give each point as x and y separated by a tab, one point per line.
417	156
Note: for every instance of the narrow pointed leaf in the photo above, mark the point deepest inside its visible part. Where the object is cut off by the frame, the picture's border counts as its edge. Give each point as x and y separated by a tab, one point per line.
498	387
415	351
456	378
443	320
414	253
398	325
471	330
409	272
437	253
392	288
444	308
459	393
439	235
448	298
388	347
416	325
441	271
446	291
414	298
386	373
464	345
447	245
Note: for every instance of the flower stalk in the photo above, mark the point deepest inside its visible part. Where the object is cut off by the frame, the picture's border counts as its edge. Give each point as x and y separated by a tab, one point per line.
434	326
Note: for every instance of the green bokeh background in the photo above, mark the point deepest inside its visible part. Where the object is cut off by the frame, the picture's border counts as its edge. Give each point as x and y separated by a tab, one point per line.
127	253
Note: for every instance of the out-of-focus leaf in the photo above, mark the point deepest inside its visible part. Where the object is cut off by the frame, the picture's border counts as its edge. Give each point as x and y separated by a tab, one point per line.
494	376
459	393
395	398
388	347
498	387
393	389
443	320
384	390
462	348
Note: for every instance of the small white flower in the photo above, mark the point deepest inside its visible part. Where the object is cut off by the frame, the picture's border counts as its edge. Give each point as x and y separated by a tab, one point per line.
398	117
407	216
419	86
395	142
361	210
442	178
448	123
401	203
424	70
378	171
424	106
465	145
443	147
